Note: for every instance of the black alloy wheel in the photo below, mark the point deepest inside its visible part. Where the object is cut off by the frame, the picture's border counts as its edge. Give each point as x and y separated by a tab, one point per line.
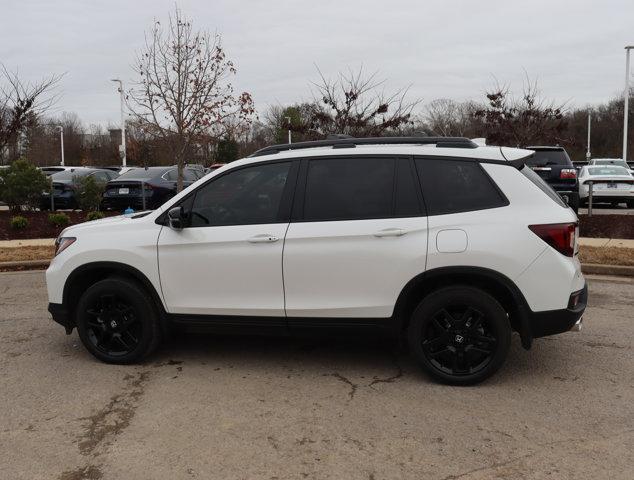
113	326
460	335
117	321
459	341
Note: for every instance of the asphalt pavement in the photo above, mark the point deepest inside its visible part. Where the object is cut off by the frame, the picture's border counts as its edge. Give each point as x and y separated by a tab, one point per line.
213	407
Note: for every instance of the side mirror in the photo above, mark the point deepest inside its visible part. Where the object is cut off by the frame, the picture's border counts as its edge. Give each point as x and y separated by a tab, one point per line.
176	218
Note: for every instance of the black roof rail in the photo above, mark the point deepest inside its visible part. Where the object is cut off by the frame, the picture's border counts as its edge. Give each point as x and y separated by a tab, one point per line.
352	142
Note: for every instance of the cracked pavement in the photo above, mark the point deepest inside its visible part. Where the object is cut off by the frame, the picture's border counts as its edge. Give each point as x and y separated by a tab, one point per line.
212	407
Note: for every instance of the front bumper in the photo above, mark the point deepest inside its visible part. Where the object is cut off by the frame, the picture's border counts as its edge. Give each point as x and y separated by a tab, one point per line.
552	322
62	316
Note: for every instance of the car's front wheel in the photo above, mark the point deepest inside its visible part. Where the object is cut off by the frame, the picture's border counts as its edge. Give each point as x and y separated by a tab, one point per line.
460	335
117	321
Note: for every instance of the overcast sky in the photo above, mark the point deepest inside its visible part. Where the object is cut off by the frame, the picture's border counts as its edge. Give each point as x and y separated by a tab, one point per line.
451	49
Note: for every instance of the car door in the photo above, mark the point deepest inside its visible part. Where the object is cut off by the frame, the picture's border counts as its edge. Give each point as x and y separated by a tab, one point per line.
228	258
358	235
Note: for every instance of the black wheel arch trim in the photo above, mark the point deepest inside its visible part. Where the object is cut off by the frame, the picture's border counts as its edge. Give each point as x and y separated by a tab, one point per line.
418	286
108	269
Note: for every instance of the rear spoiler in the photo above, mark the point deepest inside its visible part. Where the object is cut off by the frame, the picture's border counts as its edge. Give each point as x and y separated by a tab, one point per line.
515	156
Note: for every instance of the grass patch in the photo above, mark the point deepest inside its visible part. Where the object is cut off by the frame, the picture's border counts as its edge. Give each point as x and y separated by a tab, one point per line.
607	255
18	254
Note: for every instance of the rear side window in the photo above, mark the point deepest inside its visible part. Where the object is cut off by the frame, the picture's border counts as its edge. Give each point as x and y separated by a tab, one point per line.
452	186
349	188
542	185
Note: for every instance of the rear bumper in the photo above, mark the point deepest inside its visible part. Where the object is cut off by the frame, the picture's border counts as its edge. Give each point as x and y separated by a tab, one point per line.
552	322
62	316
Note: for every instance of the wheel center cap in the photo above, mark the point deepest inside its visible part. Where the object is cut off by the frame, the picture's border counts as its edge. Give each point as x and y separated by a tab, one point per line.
459	339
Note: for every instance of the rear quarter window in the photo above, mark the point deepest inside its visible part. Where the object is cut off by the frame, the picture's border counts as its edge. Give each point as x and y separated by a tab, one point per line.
452	186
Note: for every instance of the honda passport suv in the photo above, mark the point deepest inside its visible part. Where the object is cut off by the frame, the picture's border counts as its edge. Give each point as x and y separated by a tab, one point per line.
446	244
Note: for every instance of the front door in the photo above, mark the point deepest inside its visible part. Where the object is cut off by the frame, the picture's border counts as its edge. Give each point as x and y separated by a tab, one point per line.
228	258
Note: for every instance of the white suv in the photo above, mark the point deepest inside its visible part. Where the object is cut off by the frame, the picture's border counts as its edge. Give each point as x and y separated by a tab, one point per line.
447	244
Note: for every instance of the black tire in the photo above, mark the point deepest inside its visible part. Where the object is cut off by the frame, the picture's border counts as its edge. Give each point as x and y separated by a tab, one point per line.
460	335
630	204
117	321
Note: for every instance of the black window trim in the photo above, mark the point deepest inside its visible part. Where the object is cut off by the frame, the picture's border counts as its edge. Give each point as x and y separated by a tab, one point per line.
284	210
297	215
505	201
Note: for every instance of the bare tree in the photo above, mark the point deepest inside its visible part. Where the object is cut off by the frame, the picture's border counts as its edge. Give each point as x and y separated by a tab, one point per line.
447	117
356	104
21	103
183	94
506	120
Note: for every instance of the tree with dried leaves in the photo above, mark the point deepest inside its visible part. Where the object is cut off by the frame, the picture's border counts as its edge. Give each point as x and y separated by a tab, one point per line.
183	94
449	118
21	103
506	120
356	104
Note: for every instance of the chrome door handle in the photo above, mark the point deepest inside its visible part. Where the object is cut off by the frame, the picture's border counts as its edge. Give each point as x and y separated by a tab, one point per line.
390	232
263	238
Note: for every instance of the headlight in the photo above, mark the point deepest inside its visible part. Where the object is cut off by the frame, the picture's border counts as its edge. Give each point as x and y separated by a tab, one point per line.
62	243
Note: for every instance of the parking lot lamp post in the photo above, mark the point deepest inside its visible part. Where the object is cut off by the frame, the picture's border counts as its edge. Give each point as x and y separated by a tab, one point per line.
627	99
61	138
589	126
122	96
288	119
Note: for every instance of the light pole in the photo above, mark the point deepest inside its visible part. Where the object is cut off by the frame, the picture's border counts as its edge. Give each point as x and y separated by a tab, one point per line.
627	99
288	119
61	138
122	147
589	126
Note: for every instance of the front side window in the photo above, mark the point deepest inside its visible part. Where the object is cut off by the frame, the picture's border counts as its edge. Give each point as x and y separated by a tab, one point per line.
349	189
452	186
246	196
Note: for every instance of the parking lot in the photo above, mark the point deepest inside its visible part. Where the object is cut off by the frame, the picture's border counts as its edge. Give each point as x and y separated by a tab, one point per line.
262	408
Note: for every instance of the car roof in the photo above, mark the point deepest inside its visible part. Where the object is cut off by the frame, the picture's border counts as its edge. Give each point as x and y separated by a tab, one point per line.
484	153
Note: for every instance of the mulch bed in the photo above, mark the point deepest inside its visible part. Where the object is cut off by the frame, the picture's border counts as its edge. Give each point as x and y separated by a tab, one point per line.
597	226
607	226
39	226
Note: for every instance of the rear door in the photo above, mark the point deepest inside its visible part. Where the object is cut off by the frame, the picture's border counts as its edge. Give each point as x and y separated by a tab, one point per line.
358	235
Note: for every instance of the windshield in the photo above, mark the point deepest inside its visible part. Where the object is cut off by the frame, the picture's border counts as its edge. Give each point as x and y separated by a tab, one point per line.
608	171
619	163
541	158
141	173
69	174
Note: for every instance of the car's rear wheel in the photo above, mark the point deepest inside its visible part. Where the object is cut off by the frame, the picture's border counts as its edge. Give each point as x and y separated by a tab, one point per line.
117	321
460	335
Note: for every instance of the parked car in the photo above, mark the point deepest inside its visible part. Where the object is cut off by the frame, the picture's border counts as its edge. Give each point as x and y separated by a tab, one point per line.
554	166
617	162
613	184
48	171
65	185
447	244
159	185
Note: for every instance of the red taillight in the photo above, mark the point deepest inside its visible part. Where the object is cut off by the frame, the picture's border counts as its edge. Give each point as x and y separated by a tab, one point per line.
560	236
568	173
